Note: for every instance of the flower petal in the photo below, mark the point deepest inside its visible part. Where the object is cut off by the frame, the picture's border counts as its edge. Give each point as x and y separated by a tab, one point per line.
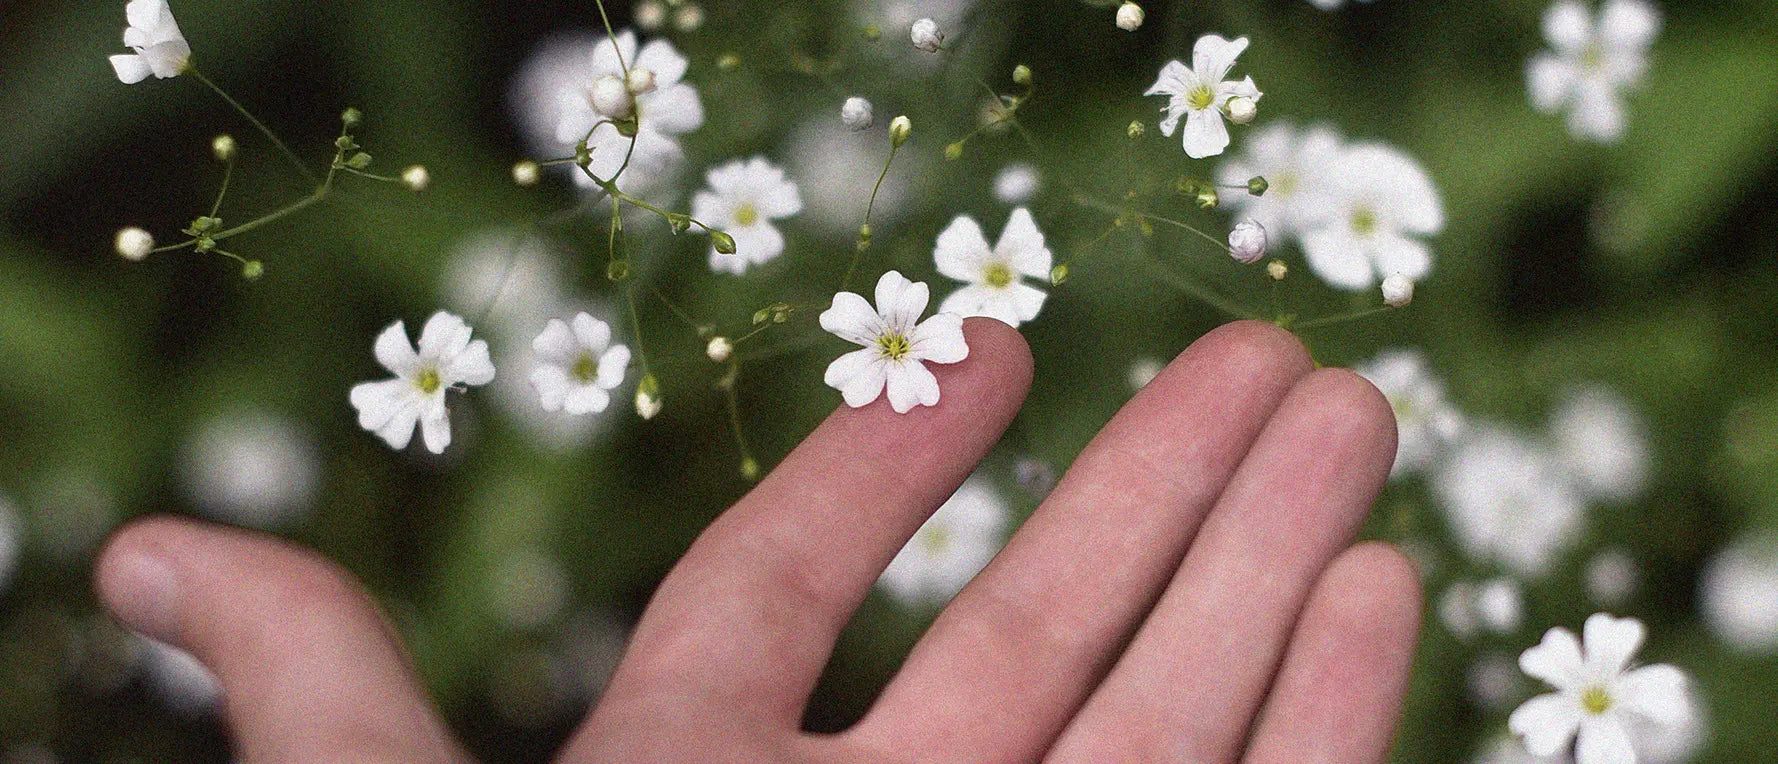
1568	27
379	402
1173	80
592	334
613	365
659	57
981	300
939	339
672	110
858	375
1205	134
961	249
444	336
910	385
1610	642
1556	660
1021	245
1603	740
853	319
399	430
901	301
131	68
586	399
435	430
1550	80
1027	300
757	243
1337	258
556	343
1546	722
1213	56
552	385
1655	692
1628	24
470	367
394	352
1394	253
1598	112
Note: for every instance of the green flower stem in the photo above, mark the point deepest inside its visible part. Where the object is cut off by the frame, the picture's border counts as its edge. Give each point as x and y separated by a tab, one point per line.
228	172
611	35
295	161
636	328
734	410
1105	206
1341	319
869	207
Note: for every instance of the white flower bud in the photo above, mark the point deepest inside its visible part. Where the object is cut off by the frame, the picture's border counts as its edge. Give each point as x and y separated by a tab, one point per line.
689	18
719	349
926	36
640	81
855	114
611	98
647	405
899	130
134	243
1247	242
1129	17
223	146
650	15
416	178
1398	290
1499	605
526	173
1242	110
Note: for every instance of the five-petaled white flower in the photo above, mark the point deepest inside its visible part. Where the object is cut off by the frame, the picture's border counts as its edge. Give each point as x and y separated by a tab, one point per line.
1294	164
743	200
950	548
1592	63
1426	423
1200	93
996	287
896	343
160	49
577	366
649	92
1376	204
446	358
1598	697
1507	498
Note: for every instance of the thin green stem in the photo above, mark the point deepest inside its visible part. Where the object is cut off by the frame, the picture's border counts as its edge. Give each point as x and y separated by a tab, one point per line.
295	161
869	208
636	328
372	175
1342	318
1200	292
676	310
1105	206
612	36
228	172
734	410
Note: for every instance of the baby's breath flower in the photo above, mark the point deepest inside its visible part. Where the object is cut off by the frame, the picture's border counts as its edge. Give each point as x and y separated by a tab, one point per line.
648	397
926	36
1200	92
223	147
899	129
950	548
1247	241
593	92
896	343
855	114
1598	696
577	365
1277	270
1129	17
995	277
1398	290
719	349
1593	62
446	358
525	173
134	243
1378	204
1016	183
416	178
160	49
743	199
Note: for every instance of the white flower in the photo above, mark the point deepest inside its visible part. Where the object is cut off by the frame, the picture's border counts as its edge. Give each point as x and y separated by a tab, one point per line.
251	468
1425	422
954	545
996	285
1017	183
1611	577
1598	697
1398	290
1377	203
446	358
1200	93
926	36
719	349
134	243
900	129
577	367
855	114
1294	164
743	200
1495	605
416	178
1602	443
1592	63
1739	594
896	343
663	108
1507	499
159	48
1247	241
1129	17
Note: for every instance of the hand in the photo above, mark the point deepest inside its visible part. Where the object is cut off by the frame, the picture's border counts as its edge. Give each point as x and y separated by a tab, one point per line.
1188	592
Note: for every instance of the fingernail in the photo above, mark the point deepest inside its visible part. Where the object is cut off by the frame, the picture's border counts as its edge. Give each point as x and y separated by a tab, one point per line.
141	589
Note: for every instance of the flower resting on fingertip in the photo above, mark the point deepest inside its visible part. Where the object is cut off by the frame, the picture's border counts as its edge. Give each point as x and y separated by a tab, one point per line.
896	344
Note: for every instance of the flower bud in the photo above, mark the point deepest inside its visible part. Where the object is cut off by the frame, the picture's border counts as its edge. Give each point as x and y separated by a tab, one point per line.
1242	110
612	98
351	117
1135	130
1021	75
526	173
1398	290
954	151
1277	270
855	114
648	397
416	178
1257	186
223	146
728	62
926	36
252	270
650	15
1129	17
689	18
719	349
723	242
1207	197
899	130
750	468
358	161
640	81
1247	242
1059	274
134	243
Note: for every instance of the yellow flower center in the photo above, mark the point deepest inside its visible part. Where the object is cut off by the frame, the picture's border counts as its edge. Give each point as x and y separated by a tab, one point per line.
997	275
746	214
935	540
1200	98
1595	700
893	346
1364	221
428	381
1283	183
586	369
1592	58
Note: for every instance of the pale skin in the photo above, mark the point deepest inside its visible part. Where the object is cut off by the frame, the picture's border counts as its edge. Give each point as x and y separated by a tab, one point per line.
1189	592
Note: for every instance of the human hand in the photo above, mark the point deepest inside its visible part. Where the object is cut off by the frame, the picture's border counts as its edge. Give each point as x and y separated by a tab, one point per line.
1188	592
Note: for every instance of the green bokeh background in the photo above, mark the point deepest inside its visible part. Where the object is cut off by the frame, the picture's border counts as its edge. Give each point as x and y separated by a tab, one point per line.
1650	266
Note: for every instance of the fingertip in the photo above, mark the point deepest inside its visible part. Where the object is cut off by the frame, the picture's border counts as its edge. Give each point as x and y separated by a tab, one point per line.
1261	342
1378	580
1350	403
138	580
1001	351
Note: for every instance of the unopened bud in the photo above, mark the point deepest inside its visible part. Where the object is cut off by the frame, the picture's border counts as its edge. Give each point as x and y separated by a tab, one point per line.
650	15
1242	110
1277	270
1398	290
252	270
648	397
1135	130
1207	197
723	242
526	173
689	18
358	161
1129	17
134	243
855	114
1257	186
925	35
223	146
1247	242
1059	274
719	349
899	130
351	117
416	178
750	468
640	81
611	97
954	151
728	62
1021	75
617	270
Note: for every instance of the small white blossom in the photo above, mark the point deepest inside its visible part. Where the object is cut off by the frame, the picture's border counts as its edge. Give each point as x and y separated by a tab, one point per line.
1377	205
1507	499
900	129
950	548
1599	698
995	277
1469	607
647	404
1016	183
1611	578
578	366
1592	63
1398	290
719	349
1425	421
743	199
446	358
896	344
416	178
1294	163
1739	594
251	468
599	92
1602	443
526	173
926	36
134	243
855	114
160	49
1247	241
1199	94
1129	17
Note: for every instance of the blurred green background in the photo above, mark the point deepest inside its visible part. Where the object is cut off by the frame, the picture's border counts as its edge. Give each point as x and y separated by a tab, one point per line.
514	562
